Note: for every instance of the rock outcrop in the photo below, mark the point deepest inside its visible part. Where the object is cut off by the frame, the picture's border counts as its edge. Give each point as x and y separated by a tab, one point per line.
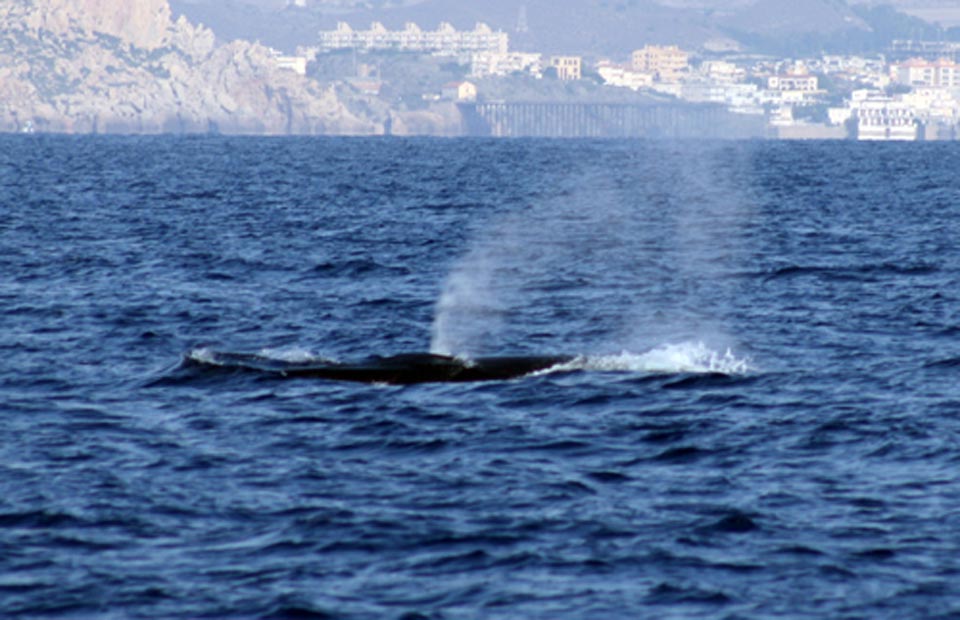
120	66
143	22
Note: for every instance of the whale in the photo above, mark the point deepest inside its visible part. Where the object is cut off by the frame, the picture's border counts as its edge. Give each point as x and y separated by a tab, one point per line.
402	369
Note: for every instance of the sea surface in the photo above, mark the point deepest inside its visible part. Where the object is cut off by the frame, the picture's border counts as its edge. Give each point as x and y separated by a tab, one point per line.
762	419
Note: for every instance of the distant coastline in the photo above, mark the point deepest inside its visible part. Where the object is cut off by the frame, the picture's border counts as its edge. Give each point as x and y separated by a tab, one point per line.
102	66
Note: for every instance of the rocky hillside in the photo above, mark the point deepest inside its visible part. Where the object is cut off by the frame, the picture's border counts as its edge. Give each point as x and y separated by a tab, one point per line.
122	66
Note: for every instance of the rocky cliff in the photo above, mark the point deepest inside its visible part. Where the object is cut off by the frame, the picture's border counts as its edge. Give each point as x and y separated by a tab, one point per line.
143	23
122	66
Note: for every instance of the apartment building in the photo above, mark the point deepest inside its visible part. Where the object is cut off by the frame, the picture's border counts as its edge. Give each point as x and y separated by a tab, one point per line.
568	67
445	40
942	73
485	64
803	83
666	63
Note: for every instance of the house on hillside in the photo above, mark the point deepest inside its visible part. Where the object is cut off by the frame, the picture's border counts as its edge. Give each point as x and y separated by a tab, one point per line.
459	91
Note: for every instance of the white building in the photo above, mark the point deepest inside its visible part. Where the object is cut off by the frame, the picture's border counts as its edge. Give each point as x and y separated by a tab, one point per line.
494	63
879	117
941	73
722	72
869	71
793	88
939	103
297	64
445	40
742	98
618	75
794	83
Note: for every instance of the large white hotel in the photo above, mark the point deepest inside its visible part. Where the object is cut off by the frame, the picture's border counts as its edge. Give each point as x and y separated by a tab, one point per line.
445	40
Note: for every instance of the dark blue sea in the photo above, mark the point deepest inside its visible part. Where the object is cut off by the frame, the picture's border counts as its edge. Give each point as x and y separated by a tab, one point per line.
761	418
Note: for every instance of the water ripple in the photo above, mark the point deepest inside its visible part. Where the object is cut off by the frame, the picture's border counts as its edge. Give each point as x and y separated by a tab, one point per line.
759	419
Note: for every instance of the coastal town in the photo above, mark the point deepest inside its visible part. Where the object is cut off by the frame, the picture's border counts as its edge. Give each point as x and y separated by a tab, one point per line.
909	93
103	66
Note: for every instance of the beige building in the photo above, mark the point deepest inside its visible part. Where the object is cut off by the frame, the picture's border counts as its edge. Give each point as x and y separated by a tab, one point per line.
941	73
664	62
568	67
459	91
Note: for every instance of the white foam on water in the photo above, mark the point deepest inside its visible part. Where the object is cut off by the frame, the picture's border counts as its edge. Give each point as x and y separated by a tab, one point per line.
203	355
294	355
291	355
684	357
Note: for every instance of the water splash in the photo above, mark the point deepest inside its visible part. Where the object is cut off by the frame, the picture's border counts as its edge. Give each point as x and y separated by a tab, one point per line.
293	355
203	355
684	357
468	310
634	258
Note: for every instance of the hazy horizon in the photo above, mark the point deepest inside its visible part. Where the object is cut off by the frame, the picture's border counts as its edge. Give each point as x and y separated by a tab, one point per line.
603	27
